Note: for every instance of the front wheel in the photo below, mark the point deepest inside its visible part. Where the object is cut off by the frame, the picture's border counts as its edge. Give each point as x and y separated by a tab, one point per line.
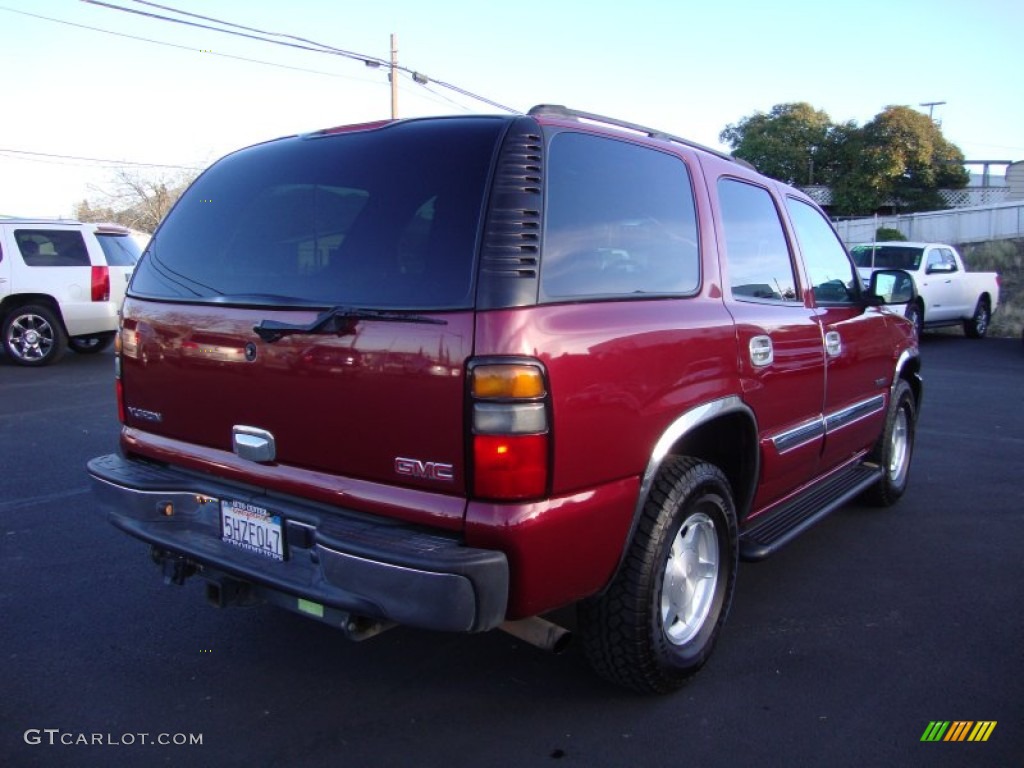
977	326
895	448
915	314
32	335
658	621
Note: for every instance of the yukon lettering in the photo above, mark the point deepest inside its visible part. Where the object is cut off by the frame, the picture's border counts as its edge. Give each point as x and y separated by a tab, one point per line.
143	415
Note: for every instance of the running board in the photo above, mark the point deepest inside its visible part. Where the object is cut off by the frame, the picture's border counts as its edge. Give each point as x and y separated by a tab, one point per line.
797	515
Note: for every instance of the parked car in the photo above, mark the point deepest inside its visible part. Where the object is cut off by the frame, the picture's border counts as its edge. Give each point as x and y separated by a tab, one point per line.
947	293
61	284
456	373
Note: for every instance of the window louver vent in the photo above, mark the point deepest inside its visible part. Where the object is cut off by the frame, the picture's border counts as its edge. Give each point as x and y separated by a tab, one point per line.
511	247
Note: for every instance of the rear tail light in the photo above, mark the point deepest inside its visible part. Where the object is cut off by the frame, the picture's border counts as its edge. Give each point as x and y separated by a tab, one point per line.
119	392
101	283
118	386
510	430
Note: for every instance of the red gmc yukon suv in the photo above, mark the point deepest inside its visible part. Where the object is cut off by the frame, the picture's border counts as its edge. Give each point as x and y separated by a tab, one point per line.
456	373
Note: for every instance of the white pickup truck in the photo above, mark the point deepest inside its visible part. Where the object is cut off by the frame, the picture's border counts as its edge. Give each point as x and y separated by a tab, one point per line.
947	293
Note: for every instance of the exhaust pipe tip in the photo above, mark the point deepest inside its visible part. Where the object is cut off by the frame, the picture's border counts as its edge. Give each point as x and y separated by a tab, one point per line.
539	633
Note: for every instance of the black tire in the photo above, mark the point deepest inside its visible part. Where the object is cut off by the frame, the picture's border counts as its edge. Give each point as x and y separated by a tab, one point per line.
915	314
689	520
90	345
33	335
977	326
895	448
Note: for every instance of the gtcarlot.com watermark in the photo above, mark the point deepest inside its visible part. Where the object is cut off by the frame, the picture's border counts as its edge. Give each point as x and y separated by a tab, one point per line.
56	737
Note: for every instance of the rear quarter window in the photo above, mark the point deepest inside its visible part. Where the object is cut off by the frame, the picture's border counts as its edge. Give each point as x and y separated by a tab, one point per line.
620	221
52	247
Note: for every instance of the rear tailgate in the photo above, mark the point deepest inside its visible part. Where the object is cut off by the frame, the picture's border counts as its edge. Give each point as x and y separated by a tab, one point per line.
377	223
383	404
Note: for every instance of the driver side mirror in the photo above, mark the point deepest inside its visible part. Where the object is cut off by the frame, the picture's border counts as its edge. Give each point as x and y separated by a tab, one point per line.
891	286
942	268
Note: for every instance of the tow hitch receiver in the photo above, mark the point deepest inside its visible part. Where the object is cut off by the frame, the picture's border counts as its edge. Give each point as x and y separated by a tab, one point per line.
175	568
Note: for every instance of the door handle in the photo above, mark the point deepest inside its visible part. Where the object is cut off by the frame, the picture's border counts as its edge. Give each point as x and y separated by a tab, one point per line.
762	352
833	344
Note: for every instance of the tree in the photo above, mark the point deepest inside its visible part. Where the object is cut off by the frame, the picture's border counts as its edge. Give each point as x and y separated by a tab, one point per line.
899	159
856	175
135	200
787	143
913	158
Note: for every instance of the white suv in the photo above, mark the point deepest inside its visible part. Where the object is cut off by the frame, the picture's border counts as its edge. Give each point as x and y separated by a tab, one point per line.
61	284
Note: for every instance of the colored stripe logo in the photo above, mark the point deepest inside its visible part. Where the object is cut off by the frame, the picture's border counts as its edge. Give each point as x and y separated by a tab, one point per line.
958	730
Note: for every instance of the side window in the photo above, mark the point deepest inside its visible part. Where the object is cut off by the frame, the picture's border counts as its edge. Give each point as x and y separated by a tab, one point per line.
934	259
830	271
948	260
52	248
756	250
620	221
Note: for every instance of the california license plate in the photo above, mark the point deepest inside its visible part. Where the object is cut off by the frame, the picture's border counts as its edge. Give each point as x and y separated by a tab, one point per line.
251	528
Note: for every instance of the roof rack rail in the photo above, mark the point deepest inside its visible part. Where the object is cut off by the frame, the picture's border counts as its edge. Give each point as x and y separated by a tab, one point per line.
567	113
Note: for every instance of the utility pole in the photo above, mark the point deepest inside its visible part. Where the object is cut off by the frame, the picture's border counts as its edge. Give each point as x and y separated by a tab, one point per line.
931	107
393	76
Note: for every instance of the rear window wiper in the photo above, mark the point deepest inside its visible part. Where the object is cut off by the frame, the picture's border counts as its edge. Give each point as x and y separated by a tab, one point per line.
338	321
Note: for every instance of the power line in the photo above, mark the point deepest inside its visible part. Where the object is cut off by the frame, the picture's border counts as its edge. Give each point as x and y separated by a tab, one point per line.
301	44
49	157
43	161
103	160
440	96
320	49
254	29
183	47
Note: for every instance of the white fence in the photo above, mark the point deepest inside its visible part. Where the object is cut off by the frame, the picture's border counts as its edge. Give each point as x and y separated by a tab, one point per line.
972	196
954	198
960	225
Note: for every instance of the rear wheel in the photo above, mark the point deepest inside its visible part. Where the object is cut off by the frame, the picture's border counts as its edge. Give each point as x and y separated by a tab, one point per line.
90	345
658	621
32	335
895	448
977	326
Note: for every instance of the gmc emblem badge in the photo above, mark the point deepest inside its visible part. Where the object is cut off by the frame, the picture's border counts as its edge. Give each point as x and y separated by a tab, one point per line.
424	470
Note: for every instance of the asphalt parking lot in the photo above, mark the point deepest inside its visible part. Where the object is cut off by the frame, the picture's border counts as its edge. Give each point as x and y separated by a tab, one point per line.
839	651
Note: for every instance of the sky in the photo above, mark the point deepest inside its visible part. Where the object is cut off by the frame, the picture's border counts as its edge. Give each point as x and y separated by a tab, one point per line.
163	94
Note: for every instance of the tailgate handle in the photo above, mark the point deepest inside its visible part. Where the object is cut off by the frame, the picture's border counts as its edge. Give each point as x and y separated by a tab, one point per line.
253	444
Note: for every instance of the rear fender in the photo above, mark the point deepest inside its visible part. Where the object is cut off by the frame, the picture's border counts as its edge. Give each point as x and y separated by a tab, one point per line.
722	432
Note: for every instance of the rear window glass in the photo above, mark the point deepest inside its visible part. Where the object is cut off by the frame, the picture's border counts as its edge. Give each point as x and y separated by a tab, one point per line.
379	219
52	247
620	221
887	256
119	250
